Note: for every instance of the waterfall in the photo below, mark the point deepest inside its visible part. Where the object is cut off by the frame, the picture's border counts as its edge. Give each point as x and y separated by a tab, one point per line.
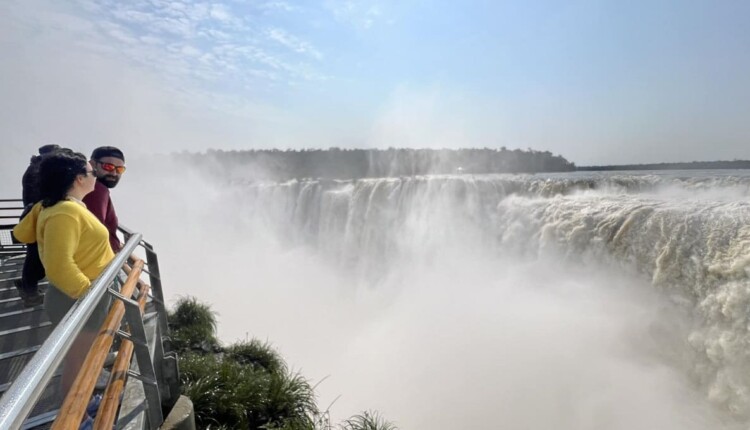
568	301
695	249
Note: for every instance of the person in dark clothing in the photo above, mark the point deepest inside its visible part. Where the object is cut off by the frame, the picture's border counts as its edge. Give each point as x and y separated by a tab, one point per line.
109	166
30	180
33	271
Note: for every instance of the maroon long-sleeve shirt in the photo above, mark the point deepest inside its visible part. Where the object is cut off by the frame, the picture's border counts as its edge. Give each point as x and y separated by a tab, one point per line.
100	204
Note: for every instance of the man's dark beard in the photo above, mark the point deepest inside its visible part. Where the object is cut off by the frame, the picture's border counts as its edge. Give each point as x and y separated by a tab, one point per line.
108	181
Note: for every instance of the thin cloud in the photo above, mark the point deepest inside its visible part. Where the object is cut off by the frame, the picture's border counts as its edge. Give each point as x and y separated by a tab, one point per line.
279	5
205	42
294	43
191	51
360	14
133	16
151	40
212	33
221	13
119	33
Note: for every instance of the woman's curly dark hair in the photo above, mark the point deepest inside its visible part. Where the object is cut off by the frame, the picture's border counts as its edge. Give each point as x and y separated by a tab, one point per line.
57	173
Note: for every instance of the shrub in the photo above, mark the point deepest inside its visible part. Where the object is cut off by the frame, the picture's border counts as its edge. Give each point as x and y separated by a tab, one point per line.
258	354
290	400
193	326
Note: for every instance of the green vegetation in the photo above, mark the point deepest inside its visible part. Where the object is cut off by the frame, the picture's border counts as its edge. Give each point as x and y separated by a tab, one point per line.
193	326
246	385
693	165
369	420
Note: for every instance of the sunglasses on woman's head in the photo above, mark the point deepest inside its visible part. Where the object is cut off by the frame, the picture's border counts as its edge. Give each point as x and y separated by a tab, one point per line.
109	167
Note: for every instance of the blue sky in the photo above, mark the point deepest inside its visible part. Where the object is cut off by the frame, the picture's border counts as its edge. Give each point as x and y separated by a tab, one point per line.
595	81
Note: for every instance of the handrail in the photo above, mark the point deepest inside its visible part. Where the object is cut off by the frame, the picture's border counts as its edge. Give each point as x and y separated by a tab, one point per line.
8	244
78	397
5	208
21	396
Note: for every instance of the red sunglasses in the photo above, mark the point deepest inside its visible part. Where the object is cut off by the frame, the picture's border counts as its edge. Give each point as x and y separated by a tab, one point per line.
109	167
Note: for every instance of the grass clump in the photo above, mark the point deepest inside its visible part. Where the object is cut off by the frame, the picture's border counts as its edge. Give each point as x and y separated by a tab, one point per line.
257	354
367	420
193	326
246	385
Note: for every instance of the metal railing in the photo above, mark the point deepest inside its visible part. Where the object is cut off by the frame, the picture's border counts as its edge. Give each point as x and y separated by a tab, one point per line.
76	400
10	209
10	205
17	402
157	366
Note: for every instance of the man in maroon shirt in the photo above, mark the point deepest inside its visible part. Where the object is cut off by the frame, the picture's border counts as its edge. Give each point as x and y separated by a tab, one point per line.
109	165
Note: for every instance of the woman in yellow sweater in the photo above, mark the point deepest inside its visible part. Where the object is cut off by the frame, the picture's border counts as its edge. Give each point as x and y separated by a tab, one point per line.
73	245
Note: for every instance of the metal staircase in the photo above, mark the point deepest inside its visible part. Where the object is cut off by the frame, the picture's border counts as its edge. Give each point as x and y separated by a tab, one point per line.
22	332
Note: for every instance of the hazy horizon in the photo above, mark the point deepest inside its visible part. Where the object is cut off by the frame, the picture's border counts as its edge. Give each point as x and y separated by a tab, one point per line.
600	84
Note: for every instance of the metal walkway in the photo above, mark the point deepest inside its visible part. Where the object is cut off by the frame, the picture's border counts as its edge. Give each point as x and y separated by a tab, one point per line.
144	384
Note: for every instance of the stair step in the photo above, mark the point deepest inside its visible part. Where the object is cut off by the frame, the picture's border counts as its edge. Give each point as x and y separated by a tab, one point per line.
5	335
9	291
10	370
40	420
7	281
10	271
11	304
19	352
55	376
46	409
11	262
23	317
20	339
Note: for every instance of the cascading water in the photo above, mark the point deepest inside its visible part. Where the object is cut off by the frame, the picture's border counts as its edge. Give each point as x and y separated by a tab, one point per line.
562	301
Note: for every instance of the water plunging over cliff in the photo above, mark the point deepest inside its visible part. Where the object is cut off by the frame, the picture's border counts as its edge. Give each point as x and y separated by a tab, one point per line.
530	300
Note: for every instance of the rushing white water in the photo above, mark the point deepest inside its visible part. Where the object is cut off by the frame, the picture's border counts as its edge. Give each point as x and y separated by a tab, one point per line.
565	301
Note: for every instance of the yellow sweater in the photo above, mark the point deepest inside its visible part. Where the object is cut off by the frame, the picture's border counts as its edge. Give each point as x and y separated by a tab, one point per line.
73	244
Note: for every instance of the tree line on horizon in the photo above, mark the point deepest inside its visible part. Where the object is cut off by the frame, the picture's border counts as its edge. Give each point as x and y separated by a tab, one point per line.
337	163
693	165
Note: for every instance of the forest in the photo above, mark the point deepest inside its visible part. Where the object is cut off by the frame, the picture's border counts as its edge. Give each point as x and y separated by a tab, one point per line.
693	165
337	163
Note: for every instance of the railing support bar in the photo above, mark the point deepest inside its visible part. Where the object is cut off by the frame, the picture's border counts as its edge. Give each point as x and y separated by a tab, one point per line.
145	366
155	277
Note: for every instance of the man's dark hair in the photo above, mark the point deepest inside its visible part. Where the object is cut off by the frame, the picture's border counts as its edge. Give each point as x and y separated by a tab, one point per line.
57	173
46	149
107	151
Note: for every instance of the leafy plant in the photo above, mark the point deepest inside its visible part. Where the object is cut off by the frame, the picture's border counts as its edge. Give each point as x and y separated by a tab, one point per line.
256	353
193	326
